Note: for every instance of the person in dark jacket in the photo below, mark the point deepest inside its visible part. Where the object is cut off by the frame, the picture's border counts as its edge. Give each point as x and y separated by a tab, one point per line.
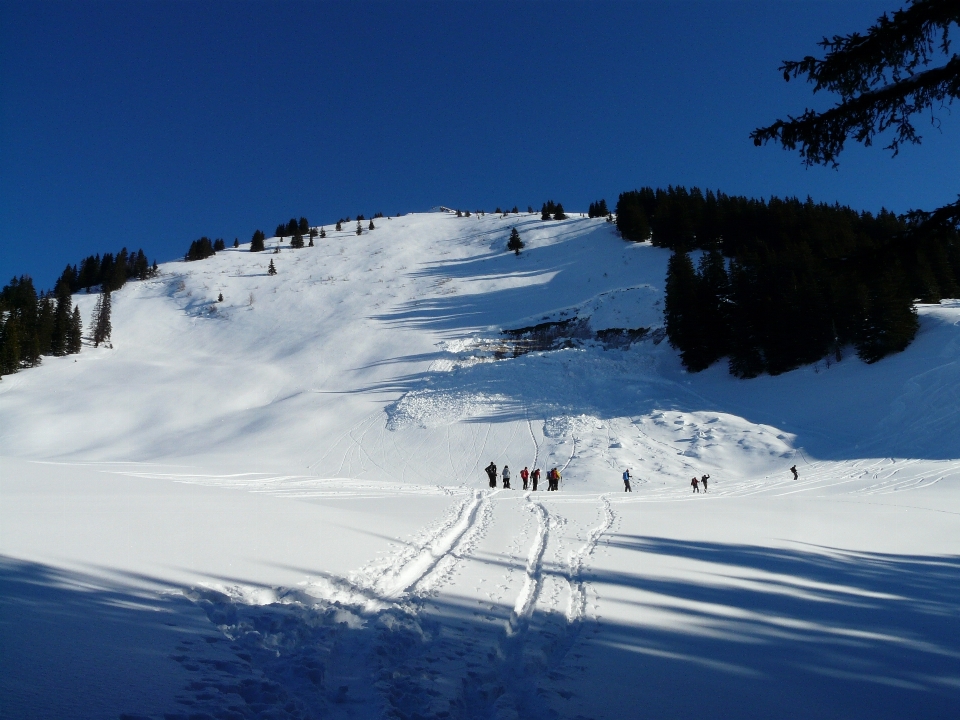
491	470
535	477
626	481
704	481
796	475
695	484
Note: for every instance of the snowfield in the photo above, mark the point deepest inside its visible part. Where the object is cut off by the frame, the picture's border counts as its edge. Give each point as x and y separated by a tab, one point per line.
275	506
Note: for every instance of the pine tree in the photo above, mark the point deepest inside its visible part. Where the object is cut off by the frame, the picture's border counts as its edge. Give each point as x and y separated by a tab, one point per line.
323	233
297	240
141	267
257	243
633	214
304	226
371	226
220	298
339	228
713	322
44	326
199	250
119	275
598	209
236	242
59	344
680	305
515	243
75	332
746	327
883	77
888	322
102	328
9	344
558	213
271	269
359	228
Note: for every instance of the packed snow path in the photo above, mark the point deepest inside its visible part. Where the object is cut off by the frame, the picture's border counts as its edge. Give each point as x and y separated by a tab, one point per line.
275	506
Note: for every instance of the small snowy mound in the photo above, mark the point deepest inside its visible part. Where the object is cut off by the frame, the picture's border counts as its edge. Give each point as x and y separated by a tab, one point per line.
433	408
629	308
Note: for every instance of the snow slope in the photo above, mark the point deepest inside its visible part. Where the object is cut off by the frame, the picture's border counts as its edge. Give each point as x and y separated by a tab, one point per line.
275	506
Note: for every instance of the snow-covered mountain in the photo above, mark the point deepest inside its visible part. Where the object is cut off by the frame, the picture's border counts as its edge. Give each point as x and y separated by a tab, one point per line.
277	504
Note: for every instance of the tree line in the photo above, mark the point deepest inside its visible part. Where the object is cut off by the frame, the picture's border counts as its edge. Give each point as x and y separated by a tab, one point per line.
550	208
32	325
35	324
783	283
110	271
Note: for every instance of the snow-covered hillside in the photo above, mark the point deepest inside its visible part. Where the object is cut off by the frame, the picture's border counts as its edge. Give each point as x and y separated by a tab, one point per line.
275	505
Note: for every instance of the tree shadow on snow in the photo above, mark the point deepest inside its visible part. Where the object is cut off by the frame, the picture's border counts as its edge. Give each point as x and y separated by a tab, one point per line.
753	632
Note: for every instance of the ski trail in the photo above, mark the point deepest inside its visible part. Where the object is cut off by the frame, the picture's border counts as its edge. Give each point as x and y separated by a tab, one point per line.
536	445
578	594
397	582
336	443
527	599
446	565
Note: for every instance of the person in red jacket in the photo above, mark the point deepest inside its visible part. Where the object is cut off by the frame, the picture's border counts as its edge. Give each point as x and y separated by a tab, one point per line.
525	476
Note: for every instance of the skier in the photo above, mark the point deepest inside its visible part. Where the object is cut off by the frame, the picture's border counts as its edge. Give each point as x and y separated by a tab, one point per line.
695	484
535	477
796	475
553	480
506	477
525	476
491	470
704	481
626	480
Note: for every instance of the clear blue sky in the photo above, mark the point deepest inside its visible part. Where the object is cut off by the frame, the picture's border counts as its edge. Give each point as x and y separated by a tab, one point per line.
149	124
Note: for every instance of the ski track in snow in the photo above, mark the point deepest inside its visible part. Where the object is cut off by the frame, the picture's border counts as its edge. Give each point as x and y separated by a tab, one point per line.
307	646
396	582
533	579
578	591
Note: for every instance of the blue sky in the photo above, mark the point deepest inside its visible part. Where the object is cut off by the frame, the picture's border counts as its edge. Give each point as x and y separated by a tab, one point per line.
149	124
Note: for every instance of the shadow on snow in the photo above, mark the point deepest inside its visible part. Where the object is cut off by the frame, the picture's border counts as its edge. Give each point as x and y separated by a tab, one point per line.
758	632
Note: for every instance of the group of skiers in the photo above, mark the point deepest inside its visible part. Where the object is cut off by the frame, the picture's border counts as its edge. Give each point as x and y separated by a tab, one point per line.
529	478
553	478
